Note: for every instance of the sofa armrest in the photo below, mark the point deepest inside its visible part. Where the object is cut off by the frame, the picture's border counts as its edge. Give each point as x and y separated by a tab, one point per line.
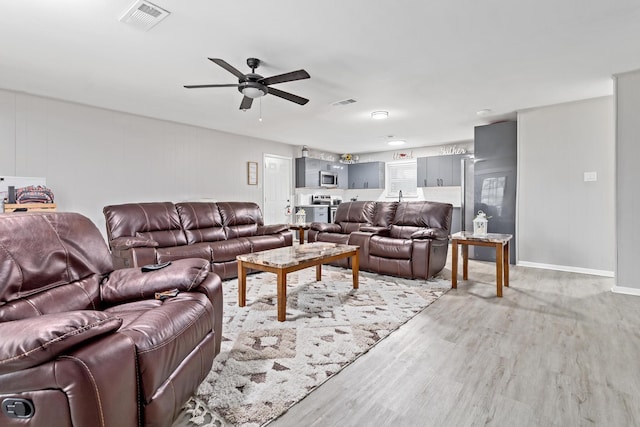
431	233
326	227
131	284
265	230
128	242
35	340
380	231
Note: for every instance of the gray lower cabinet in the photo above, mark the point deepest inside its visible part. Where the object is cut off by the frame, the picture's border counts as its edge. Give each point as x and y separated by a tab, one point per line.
439	171
456	221
366	175
315	213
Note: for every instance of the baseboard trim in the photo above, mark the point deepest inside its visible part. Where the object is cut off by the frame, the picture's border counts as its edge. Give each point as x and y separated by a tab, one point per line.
570	269
625	291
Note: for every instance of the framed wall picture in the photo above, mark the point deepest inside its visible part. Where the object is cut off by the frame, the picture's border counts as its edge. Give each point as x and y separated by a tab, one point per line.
252	173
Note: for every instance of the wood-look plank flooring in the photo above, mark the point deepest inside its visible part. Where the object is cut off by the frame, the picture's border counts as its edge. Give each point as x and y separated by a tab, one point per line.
558	349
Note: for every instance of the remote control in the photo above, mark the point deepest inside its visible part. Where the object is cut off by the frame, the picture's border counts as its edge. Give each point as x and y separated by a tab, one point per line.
154	267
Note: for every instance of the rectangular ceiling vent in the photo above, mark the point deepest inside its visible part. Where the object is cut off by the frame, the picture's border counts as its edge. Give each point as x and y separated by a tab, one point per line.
344	102
144	15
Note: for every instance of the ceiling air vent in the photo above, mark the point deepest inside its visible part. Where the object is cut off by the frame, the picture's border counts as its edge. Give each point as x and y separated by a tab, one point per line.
144	15
344	102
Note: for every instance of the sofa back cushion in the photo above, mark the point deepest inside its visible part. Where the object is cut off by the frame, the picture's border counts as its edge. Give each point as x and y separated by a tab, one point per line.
240	219
413	216
353	215
157	221
49	262
384	213
202	222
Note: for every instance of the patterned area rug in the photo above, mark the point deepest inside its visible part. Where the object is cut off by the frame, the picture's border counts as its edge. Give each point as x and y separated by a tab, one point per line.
266	366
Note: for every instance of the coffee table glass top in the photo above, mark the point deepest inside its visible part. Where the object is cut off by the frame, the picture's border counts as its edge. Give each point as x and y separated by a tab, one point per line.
293	255
489	237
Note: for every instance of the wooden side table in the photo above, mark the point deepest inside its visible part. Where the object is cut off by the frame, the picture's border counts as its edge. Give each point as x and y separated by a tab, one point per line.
30	207
300	228
467	238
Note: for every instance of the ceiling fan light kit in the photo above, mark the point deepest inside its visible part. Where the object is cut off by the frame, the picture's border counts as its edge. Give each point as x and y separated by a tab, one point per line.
253	85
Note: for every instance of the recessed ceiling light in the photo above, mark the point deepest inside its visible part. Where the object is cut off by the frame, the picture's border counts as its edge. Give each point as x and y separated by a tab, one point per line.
396	142
484	112
379	115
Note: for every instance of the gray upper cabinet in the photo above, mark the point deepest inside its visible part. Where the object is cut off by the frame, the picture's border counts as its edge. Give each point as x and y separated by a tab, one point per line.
343	174
366	175
439	171
308	172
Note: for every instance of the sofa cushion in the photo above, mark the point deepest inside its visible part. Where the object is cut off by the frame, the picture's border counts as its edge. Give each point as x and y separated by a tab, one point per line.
388	247
133	284
198	250
227	250
240	219
83	294
384	213
68	244
263	243
333	238
164	333
202	222
423	214
353	215
29	342
156	221
355	212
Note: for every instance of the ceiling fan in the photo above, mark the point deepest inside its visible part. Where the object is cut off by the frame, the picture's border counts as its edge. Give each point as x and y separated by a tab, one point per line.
253	85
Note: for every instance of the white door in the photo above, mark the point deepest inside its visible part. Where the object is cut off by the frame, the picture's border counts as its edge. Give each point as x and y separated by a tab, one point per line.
277	190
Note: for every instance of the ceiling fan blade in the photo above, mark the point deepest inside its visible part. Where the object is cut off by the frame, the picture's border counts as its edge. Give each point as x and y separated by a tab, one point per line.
286	77
199	86
230	68
246	103
288	96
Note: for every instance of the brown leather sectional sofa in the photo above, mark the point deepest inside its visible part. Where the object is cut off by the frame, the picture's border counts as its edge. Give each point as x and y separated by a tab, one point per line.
407	239
147	233
84	345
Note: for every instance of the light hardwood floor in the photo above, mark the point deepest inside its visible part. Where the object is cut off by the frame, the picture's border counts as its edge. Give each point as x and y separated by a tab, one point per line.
559	349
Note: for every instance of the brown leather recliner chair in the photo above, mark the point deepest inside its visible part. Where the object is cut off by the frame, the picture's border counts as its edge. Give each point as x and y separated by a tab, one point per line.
83	345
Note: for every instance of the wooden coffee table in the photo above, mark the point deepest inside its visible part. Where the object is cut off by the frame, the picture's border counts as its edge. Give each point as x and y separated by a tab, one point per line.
293	258
499	241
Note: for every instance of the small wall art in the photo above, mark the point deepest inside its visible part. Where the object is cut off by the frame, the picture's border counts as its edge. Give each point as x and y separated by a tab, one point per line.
252	173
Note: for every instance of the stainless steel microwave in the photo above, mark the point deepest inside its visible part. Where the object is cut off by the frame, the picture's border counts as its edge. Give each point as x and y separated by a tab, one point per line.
328	179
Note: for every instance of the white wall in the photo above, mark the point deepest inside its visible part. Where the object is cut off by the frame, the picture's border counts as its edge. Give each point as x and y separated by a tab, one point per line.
93	157
564	222
628	175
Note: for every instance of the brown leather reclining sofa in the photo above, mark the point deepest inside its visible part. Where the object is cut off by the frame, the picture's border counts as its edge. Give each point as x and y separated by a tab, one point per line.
147	233
407	239
83	345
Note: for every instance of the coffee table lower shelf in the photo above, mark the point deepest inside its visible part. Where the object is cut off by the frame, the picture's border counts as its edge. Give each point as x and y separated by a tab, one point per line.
282	261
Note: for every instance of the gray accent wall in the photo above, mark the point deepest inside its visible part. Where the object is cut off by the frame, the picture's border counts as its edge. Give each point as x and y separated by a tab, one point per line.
565	223
627	100
93	157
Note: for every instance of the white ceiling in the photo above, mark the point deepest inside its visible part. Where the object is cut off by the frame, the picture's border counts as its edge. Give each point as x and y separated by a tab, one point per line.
431	64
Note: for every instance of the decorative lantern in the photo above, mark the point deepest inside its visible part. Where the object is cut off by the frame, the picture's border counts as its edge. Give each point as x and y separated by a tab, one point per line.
480	224
301	217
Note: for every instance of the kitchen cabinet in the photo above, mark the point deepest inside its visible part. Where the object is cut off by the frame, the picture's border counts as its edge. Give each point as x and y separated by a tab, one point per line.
366	175
439	171
456	221
308	172
315	213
